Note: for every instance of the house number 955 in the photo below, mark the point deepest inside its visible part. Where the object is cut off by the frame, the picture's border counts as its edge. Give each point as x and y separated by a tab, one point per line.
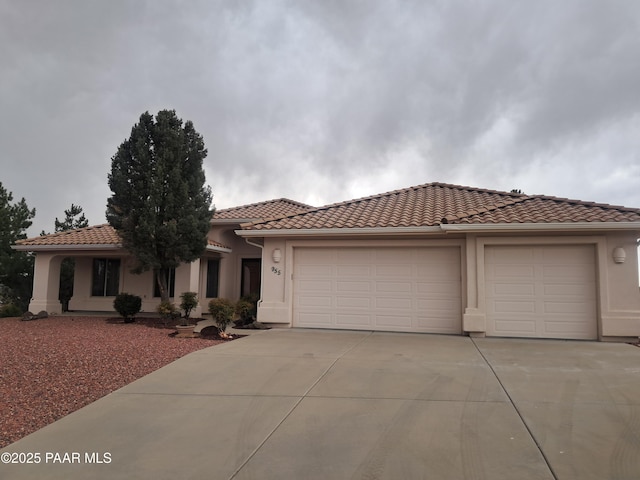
276	271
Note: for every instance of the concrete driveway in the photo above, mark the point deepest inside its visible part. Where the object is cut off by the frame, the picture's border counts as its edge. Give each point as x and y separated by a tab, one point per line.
307	404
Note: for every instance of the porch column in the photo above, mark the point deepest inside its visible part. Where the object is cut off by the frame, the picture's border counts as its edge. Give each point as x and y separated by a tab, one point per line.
46	283
474	319
188	280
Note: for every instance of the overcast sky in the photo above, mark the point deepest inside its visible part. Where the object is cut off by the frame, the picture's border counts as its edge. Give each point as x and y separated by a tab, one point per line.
323	101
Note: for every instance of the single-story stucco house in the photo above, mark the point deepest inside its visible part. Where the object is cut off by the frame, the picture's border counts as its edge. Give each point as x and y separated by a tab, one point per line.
434	258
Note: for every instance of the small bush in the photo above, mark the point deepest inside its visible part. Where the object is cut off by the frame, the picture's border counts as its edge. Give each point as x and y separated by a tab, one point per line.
247	310
10	310
127	305
221	309
189	302
168	310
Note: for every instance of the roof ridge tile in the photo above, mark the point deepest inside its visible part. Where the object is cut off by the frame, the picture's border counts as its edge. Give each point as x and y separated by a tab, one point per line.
587	203
265	202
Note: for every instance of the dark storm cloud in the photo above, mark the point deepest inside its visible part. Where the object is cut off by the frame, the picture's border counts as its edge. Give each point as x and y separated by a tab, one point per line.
321	101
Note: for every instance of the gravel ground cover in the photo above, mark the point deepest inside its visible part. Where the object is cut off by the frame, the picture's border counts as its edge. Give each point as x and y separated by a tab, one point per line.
54	366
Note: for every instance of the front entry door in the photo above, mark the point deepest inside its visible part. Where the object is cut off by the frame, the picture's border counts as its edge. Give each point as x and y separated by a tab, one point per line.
251	272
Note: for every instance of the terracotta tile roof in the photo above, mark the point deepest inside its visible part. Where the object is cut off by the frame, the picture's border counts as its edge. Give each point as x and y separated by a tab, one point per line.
435	203
262	210
211	243
96	235
541	209
103	234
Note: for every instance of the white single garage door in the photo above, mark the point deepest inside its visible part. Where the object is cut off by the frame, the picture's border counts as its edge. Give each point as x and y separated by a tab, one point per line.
541	291
390	289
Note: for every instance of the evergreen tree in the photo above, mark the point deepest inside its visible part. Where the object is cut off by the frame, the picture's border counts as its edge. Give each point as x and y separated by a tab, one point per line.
160	204
70	221
16	268
73	218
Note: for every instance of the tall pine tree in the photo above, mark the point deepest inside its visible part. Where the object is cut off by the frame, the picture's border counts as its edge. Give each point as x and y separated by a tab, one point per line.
16	268
160	204
73	218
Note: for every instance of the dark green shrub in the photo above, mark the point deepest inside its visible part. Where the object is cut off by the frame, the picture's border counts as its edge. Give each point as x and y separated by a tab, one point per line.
247	310
221	309
127	305
189	302
10	310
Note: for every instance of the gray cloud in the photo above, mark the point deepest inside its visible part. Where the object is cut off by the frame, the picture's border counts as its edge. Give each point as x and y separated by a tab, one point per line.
324	101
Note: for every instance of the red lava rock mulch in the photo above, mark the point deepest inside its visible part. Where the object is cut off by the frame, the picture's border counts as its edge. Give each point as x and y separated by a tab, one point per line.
54	366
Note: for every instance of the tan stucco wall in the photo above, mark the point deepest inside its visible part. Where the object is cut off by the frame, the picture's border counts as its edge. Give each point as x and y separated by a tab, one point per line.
275	304
231	263
189	277
620	301
617	284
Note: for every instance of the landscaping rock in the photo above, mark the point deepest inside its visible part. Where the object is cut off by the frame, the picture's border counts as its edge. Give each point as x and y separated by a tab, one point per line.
30	316
209	331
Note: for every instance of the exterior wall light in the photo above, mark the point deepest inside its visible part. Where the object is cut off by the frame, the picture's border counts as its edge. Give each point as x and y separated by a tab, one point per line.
276	255
619	255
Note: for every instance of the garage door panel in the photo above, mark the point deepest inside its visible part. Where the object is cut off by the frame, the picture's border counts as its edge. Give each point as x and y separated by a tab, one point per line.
568	308
435	271
353	270
434	324
552	297
316	271
316	319
515	271
553	255
351	320
353	302
579	290
354	256
564	329
351	286
312	286
508	289
394	287
575	273
434	305
524	255
508	327
385	288
393	303
317	257
393	322
515	307
389	256
435	288
317	301
437	256
393	270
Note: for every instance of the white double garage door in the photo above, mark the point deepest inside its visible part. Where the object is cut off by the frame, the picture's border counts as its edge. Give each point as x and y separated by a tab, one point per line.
530	291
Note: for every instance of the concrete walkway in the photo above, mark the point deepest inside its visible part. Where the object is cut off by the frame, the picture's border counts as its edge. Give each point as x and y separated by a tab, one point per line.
308	404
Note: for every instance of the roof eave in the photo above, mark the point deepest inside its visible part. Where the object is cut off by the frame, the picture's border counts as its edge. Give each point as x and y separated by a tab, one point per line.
215	248
304	232
231	221
537	227
47	248
445	228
